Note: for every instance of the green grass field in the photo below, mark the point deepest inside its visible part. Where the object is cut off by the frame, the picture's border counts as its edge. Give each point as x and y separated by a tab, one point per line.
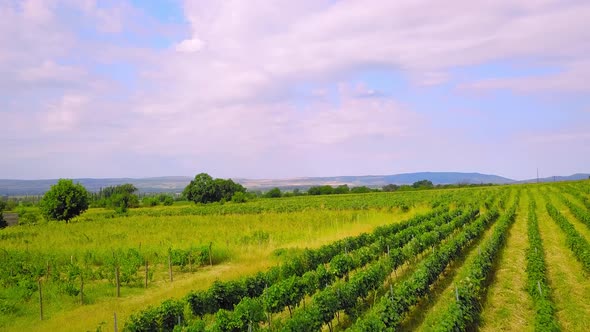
408	262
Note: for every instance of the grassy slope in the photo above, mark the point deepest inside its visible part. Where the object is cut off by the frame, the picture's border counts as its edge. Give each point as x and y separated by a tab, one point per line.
508	306
570	288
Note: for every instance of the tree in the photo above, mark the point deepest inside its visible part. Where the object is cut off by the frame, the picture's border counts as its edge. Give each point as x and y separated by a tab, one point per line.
360	190
342	189
123	197
204	189
390	187
321	190
225	189
423	184
273	193
64	200
201	189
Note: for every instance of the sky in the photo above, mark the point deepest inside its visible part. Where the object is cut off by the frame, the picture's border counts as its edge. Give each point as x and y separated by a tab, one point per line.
282	88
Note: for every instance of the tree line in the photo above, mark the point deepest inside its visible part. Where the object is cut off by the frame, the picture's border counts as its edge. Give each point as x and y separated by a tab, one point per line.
66	199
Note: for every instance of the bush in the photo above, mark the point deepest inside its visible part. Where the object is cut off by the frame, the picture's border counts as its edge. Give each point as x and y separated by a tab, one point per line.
239	197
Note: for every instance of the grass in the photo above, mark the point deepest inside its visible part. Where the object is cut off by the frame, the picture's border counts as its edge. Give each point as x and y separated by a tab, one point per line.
255	236
249	241
429	312
508	306
570	288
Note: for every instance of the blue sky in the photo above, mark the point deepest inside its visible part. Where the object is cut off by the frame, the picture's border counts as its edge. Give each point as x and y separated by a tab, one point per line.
272	89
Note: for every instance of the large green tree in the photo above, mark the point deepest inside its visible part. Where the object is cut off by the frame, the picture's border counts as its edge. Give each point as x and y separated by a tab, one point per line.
423	184
64	200
204	189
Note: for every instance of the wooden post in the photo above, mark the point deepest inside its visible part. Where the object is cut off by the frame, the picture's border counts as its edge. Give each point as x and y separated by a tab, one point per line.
146	273
117	281
456	293
170	267
81	290
40	300
388	250
540	290
116	327
210	258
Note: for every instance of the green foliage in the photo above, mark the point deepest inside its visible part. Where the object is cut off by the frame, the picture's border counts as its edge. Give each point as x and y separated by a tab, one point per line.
537	283
342	189
577	243
64	201
273	193
464	313
321	190
423	184
393	307
120	198
390	187
161	318
204	189
239	197
27	216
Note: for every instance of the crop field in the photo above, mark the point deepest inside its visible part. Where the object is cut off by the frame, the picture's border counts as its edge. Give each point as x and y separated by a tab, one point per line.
488	258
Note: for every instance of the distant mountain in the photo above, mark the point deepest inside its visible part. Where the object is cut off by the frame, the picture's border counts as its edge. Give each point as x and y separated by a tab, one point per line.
38	187
178	183
574	177
377	180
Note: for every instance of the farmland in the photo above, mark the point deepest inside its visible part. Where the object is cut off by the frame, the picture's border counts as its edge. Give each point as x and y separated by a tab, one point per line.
502	257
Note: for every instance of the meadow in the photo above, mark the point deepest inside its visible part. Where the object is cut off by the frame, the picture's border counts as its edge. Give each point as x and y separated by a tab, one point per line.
489	258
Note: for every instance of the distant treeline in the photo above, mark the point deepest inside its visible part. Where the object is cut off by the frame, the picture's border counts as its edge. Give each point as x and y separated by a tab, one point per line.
345	189
205	189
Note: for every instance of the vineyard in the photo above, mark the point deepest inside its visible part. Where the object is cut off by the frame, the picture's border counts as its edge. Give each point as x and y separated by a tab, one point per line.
489	258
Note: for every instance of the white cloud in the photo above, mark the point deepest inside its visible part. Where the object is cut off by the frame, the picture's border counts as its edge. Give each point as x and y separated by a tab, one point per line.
66	114
189	45
224	84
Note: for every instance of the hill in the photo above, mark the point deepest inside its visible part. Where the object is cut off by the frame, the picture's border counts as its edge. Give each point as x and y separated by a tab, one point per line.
177	183
573	177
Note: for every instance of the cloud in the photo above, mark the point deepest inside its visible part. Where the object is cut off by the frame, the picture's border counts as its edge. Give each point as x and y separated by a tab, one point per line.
572	78
218	89
189	45
66	114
